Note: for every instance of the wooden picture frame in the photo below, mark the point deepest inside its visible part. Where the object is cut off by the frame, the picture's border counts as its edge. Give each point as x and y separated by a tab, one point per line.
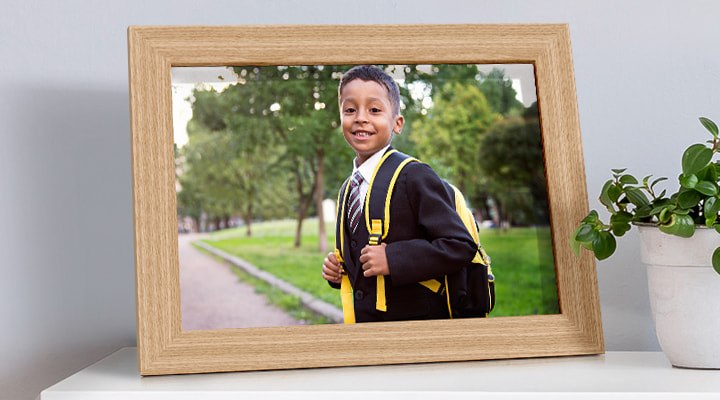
164	348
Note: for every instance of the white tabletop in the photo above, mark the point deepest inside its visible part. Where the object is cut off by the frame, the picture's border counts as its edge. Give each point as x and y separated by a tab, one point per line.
615	375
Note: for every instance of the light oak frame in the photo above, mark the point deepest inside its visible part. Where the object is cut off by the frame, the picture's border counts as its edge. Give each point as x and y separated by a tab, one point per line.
164	348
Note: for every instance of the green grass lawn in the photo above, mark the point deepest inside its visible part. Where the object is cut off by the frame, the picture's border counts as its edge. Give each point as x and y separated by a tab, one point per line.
524	269
522	262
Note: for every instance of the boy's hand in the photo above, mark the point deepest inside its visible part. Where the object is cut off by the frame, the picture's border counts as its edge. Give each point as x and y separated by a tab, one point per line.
374	261
331	269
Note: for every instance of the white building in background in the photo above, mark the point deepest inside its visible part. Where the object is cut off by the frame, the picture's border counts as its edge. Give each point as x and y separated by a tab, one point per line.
329	210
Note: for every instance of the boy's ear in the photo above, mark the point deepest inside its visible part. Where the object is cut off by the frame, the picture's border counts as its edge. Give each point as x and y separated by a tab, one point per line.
399	121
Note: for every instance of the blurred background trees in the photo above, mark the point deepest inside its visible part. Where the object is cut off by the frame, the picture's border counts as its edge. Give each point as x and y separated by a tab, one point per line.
270	145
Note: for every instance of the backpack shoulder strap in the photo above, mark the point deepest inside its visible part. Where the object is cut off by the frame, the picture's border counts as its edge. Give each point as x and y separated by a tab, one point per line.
470	224
346	294
377	206
377	200
339	225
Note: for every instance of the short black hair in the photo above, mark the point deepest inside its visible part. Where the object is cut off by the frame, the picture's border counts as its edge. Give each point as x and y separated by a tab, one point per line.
375	74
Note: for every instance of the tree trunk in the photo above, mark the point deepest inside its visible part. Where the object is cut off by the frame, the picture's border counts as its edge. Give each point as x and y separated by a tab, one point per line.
196	224
304	201
248	219
302	208
322	235
298	231
215	224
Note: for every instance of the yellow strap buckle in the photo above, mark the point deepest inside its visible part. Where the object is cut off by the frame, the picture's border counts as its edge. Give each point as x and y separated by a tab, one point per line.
375	239
375	232
338	256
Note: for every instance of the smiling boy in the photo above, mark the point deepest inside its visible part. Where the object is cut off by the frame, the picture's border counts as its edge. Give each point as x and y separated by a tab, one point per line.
427	240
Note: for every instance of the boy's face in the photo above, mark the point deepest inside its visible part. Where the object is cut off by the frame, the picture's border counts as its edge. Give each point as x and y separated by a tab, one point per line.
367	117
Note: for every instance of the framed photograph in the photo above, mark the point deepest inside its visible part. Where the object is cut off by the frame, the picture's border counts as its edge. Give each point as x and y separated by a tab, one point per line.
164	347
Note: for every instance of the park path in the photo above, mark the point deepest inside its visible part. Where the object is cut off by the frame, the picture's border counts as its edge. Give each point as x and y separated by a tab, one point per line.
211	296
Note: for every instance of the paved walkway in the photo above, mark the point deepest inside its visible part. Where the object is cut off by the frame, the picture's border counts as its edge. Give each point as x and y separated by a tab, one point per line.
211	296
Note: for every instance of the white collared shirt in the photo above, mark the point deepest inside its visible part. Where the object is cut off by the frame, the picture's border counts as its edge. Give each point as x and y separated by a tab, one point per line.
366	170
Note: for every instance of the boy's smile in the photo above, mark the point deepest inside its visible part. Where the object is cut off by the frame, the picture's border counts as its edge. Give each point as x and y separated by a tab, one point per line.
367	116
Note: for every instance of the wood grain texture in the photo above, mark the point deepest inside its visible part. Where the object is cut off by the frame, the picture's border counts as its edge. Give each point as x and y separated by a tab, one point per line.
163	348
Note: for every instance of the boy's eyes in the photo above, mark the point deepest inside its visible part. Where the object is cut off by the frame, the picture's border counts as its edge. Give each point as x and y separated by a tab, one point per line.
371	109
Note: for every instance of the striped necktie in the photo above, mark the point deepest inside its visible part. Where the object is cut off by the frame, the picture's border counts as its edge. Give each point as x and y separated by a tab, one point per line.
354	207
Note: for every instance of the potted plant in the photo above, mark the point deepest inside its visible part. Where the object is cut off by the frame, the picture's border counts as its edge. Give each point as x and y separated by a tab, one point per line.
680	244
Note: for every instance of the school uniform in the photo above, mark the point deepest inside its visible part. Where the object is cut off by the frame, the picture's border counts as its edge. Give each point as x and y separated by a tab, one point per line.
426	240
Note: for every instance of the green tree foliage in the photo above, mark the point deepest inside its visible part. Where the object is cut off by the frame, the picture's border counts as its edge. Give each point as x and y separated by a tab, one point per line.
478	135
277	127
435	77
511	154
449	137
305	117
499	92
189	200
222	178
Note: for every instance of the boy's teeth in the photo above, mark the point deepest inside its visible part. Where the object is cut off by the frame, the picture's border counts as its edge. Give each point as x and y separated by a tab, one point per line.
362	134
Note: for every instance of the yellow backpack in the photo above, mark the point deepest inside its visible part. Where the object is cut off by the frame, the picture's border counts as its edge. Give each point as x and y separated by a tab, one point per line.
470	292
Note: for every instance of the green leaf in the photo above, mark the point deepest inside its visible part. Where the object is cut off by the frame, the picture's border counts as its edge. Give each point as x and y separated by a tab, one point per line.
637	197
709	125
707	188
711	206
717	228
688	181
620	222
664	216
716	260
661	203
628	180
688	199
646	180
680	225
620	229
708	173
621	217
656	181
711	209
618	171
605	197
710	220
614	193
591	218
604	245
642	212
586	233
695	158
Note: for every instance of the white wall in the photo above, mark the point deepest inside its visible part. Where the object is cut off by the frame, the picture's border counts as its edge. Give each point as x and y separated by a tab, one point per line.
645	70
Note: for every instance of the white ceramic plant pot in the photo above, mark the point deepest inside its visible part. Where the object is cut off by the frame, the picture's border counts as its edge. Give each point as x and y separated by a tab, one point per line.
684	295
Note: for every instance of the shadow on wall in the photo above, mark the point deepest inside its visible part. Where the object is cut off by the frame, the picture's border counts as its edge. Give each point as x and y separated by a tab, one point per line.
68	269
